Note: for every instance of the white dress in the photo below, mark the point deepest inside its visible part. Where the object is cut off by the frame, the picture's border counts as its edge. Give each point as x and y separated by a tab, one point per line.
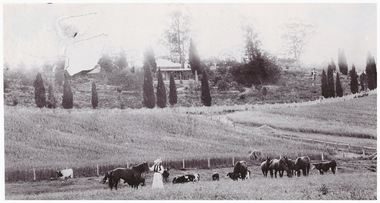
157	177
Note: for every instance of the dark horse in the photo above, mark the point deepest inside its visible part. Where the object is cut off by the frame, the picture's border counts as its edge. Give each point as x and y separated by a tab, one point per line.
302	163
290	164
324	167
130	176
280	166
265	166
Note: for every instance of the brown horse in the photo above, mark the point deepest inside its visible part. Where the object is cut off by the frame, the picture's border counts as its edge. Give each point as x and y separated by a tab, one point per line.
280	166
265	166
130	176
290	164
302	163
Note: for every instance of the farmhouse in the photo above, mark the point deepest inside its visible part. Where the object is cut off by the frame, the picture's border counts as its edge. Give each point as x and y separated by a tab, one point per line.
168	67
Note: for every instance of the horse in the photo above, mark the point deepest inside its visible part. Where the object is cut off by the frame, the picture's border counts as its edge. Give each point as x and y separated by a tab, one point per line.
279	165
131	176
290	164
265	166
324	167
302	163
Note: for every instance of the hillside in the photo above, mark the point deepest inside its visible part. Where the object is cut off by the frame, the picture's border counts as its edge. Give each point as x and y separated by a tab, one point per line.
293	86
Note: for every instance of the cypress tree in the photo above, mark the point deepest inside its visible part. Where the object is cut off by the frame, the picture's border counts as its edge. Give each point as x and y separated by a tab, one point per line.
194	60
330	80
354	80
148	91
161	90
94	96
324	85
51	98
206	96
363	81
339	89
39	91
173	91
371	72
67	98
342	62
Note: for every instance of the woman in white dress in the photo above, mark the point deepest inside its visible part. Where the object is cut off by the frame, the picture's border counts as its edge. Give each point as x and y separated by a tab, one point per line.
158	169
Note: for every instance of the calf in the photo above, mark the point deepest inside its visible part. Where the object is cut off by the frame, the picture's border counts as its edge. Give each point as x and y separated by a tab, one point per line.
215	176
324	167
233	176
186	178
135	183
64	174
166	174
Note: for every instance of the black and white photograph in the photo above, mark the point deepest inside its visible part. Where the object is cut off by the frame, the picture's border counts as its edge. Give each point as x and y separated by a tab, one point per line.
182	100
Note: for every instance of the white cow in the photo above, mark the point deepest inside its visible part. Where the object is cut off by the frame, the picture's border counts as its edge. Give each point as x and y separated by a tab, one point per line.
64	174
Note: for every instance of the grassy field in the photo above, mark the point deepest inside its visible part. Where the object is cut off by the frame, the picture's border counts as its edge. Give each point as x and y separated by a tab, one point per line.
353	118
342	186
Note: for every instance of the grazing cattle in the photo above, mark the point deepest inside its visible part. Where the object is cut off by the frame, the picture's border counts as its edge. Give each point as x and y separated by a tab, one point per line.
135	183
215	176
302	163
186	178
233	176
64	174
240	169
106	176
279	166
324	167
166	174
265	166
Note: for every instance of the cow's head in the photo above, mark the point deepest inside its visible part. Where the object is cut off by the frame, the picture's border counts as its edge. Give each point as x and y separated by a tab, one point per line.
59	173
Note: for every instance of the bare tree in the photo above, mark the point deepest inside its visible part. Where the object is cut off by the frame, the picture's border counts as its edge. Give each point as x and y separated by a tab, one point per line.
178	35
297	34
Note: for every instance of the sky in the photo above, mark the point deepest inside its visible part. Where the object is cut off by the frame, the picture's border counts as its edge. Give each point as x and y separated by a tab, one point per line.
36	31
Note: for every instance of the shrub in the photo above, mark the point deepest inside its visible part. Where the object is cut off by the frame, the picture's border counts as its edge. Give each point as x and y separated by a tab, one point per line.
148	92
339	89
206	96
51	98
330	80
354	80
324	85
39	91
222	85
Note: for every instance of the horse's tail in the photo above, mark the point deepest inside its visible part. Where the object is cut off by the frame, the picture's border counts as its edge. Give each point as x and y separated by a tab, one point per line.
110	180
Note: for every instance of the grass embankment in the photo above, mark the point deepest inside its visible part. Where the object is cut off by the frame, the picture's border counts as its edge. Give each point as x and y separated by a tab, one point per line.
352	186
50	140
353	118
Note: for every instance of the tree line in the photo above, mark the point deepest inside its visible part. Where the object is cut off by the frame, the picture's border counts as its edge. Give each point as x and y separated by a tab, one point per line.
367	79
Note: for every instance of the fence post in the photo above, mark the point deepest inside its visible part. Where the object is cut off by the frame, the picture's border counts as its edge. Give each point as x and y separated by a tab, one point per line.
363	150
183	163
349	147
34	174
127	164
233	161
97	169
322	157
208	162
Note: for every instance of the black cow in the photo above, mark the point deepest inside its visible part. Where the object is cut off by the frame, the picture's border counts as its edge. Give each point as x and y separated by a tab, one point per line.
215	176
324	167
186	178
240	169
233	176
135	183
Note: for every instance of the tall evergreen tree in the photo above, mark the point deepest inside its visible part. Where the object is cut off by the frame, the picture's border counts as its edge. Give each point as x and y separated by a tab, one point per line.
194	60
67	98
149	55
371	72
148	91
161	90
173	91
206	96
39	91
51	103
342	62
332	64
94	96
354	80
324	85
339	89
330	80
363	81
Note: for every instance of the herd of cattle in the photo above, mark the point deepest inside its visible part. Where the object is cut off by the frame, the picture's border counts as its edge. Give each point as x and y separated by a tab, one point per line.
241	171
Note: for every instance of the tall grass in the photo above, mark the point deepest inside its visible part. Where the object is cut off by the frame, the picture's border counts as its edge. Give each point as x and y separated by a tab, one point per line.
351	186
